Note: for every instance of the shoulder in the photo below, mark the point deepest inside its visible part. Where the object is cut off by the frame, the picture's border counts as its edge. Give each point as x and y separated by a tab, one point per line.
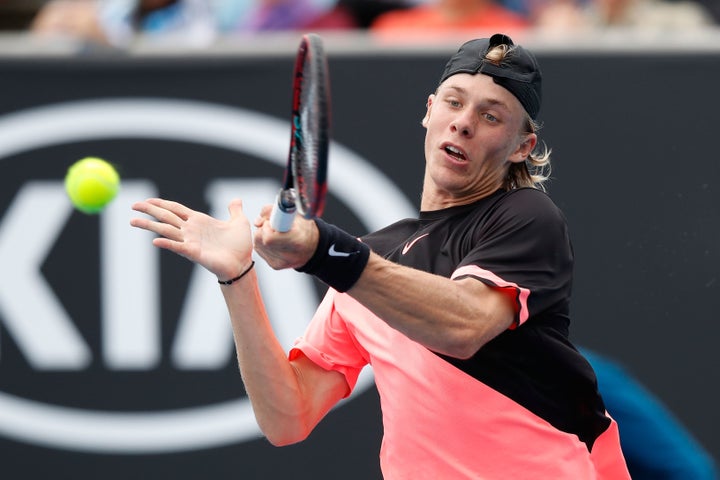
528	202
528	194
387	238
528	211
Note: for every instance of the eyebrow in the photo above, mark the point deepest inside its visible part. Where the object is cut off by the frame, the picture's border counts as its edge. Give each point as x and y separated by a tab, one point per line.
490	101
457	89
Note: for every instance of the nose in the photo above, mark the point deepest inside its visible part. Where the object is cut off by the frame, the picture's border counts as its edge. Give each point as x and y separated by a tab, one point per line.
464	124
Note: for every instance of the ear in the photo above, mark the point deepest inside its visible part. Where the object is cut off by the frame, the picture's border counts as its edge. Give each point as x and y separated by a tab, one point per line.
429	103
524	148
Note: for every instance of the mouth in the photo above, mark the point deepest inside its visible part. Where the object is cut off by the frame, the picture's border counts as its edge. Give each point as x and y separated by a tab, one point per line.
455	152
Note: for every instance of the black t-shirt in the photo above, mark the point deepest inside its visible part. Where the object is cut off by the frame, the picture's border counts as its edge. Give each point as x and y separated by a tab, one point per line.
515	239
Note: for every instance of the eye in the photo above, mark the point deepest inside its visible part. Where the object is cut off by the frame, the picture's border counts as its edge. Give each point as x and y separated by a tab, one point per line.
454	103
490	117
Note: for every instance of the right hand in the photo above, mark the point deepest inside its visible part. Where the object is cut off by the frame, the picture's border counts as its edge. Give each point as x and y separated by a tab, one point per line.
291	249
222	247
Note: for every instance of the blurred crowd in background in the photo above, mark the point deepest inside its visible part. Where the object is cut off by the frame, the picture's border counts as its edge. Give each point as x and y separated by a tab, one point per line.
116	22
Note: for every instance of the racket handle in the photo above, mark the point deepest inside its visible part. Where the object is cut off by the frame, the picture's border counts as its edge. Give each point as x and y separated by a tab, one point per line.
283	212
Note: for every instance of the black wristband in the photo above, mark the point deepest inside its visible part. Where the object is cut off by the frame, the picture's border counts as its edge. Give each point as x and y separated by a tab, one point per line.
339	258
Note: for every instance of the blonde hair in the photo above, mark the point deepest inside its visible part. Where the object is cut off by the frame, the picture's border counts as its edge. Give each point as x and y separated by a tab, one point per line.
535	170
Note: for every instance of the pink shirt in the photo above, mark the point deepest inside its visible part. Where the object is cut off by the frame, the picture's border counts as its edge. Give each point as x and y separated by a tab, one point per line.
439	422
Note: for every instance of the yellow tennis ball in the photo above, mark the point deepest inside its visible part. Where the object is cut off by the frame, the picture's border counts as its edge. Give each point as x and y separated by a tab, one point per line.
91	183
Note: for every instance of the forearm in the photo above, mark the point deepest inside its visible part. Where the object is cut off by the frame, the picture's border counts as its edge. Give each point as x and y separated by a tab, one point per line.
288	398
271	381
447	316
454	317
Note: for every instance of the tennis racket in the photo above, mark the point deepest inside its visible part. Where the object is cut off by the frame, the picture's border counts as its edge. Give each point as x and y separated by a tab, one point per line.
305	180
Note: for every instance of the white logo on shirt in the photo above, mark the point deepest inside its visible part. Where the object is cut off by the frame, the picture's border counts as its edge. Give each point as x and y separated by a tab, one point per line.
409	245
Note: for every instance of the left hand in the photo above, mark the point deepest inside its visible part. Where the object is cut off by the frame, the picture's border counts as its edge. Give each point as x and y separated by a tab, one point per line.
222	247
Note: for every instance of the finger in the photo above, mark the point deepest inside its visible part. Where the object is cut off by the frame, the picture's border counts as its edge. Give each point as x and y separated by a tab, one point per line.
258	233
263	216
163	229
161	210
235	208
265	211
178	209
171	245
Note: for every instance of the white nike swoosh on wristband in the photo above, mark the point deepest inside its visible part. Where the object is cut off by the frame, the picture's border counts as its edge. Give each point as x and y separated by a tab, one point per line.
409	245
334	253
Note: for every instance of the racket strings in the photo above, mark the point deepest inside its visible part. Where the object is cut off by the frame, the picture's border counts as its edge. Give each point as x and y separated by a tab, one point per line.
311	150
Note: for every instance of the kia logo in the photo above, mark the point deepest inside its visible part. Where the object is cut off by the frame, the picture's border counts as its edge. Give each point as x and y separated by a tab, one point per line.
47	336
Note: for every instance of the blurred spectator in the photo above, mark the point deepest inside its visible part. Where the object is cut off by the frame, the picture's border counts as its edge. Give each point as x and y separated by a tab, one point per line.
449	16
272	15
195	22
357	13
115	22
16	15
558	15
70	18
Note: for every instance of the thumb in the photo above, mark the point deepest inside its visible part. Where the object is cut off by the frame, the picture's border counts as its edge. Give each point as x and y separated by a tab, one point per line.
235	207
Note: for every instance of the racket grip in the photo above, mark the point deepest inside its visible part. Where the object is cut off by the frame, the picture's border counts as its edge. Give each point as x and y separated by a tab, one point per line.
283	212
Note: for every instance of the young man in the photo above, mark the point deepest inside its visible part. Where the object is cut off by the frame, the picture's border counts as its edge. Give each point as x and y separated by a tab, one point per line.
462	312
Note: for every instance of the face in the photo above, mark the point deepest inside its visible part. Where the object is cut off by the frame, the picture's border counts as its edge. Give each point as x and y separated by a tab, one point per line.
475	130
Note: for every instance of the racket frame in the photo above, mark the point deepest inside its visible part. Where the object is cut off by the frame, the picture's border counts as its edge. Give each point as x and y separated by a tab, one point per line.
289	202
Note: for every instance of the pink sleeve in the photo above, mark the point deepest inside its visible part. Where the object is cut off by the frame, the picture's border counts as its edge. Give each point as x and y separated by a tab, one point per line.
328	343
522	294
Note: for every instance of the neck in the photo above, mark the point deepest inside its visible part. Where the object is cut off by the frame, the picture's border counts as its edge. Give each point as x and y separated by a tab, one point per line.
433	200
438	195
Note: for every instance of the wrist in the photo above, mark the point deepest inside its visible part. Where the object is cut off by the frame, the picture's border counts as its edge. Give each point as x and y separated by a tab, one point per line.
241	275
339	258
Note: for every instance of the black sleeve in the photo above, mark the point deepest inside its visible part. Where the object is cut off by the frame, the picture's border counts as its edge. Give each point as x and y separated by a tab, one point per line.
524	241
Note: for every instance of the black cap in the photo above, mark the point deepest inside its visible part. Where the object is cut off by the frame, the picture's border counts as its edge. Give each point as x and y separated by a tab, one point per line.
519	72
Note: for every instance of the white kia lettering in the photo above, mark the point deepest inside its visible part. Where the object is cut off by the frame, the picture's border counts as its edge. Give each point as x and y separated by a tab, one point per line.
131	277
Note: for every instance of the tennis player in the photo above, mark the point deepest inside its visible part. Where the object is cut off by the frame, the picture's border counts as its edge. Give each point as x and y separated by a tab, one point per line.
462	312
